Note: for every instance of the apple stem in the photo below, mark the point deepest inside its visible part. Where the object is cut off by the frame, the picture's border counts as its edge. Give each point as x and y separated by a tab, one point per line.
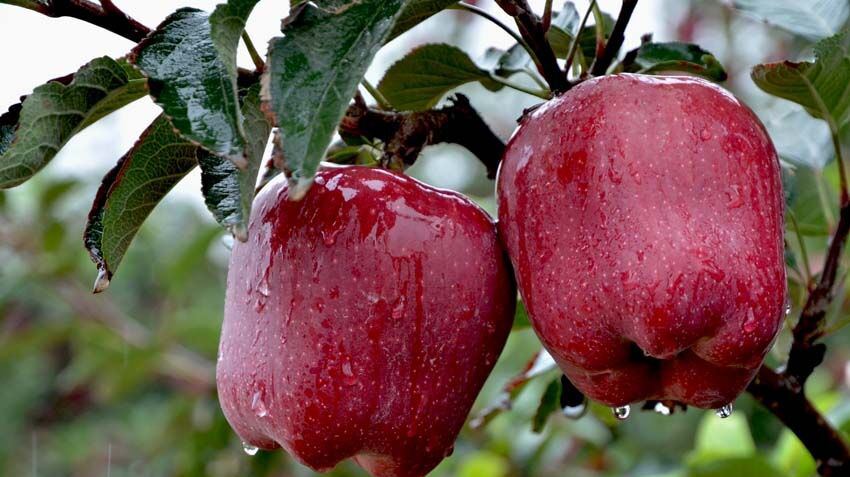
615	41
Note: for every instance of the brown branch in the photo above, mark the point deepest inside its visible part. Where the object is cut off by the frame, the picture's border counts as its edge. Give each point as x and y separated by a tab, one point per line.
786	400
106	15
615	41
806	354
532	29
406	134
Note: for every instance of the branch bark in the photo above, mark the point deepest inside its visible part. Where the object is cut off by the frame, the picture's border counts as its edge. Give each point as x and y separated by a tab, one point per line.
406	134
786	400
532	29
106	15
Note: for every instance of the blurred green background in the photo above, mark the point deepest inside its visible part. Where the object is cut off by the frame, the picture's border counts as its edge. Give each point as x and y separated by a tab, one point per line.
122	384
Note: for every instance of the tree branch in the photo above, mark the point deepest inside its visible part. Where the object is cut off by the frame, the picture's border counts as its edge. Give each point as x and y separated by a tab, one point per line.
532	30
615	41
106	15
406	134
786	400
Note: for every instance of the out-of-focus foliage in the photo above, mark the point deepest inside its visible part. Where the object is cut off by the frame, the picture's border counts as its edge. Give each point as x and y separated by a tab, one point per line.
122	384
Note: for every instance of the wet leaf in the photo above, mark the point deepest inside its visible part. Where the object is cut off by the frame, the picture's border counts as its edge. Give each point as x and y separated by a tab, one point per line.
193	84
227	23
313	72
32	133
822	86
416	12
229	190
550	402
813	19
676	56
130	191
419	80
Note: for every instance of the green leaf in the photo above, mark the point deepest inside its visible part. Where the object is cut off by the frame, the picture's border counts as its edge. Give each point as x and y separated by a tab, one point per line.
813	19
419	80
195	87
521	320
227	23
822	86
130	191
33	133
587	37
416	12
229	190
313	72
751	466
791	456
718	438
676	56
549	403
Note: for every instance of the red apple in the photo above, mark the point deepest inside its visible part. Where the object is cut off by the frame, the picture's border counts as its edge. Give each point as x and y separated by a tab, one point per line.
644	219
362	321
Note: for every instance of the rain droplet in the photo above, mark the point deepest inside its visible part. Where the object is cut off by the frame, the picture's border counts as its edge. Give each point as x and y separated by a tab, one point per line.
724	411
227	241
705	134
662	409
622	412
101	283
750	323
263	287
249	449
258	406
348	374
787	308
575	412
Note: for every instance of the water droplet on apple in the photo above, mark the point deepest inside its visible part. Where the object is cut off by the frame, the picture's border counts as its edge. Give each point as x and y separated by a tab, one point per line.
622	412
662	409
750	323
398	310
348	374
249	449
258	406
705	134
724	411
227	241
263	287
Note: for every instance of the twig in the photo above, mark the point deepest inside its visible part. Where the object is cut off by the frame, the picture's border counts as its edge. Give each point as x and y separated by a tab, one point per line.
615	41
259	64
106	15
787	402
485	14
574	47
531	28
406	134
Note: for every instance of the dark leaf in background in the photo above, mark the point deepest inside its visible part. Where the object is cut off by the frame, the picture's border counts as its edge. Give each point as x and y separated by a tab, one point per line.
822	86
54	113
229	190
131	190
677	57
813	19
415	12
313	72
550	402
587	37
419	80
194	86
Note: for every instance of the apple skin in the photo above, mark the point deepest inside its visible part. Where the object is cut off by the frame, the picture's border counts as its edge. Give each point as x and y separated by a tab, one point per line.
644	219
362	321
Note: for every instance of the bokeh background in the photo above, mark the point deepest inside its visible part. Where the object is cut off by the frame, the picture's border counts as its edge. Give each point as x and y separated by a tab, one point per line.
122	384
